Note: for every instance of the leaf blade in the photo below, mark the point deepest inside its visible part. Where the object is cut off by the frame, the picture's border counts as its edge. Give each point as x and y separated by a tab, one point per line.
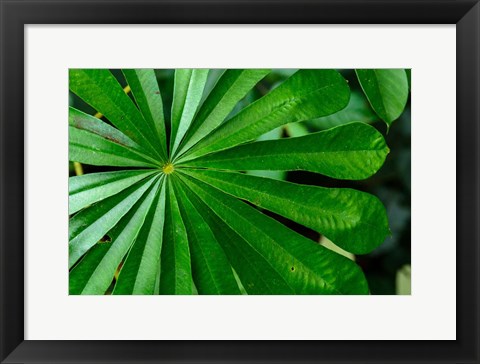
100	89
354	220
91	141
98	278
176	271
211	270
232	86
305	95
90	188
316	270
188	90
146	92
88	226
139	273
255	272
386	90
352	151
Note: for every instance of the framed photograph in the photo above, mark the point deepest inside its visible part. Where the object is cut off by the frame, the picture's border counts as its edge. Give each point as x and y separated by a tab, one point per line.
239	181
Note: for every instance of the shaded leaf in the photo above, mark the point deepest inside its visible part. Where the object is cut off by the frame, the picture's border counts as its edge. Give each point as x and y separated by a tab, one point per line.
358	109
386	90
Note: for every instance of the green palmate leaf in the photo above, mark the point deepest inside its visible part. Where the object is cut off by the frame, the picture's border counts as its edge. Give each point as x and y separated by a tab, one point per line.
144	86
88	226
211	270
305	266
141	268
101	90
176	270
94	274
386	90
307	94
354	220
94	142
358	109
232	86
188	91
351	151
255	271
87	189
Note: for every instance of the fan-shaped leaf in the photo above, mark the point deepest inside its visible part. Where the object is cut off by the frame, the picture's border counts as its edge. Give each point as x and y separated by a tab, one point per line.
144	86
101	90
352	151
232	86
307	94
386	90
307	267
87	189
356	221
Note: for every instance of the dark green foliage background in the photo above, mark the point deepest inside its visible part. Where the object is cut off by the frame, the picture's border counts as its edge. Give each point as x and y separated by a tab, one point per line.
392	184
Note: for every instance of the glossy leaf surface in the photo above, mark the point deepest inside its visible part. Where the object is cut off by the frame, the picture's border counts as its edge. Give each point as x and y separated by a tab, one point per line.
352	151
307	94
211	270
184	207
354	220
306	267
232	86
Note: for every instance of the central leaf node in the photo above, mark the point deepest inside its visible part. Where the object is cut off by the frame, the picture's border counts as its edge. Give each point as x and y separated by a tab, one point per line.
168	168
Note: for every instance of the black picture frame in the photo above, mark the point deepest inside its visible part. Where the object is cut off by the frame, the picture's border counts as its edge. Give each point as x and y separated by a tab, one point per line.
15	14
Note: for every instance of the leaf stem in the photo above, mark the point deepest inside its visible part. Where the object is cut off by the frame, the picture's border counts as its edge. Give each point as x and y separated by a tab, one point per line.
78	168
